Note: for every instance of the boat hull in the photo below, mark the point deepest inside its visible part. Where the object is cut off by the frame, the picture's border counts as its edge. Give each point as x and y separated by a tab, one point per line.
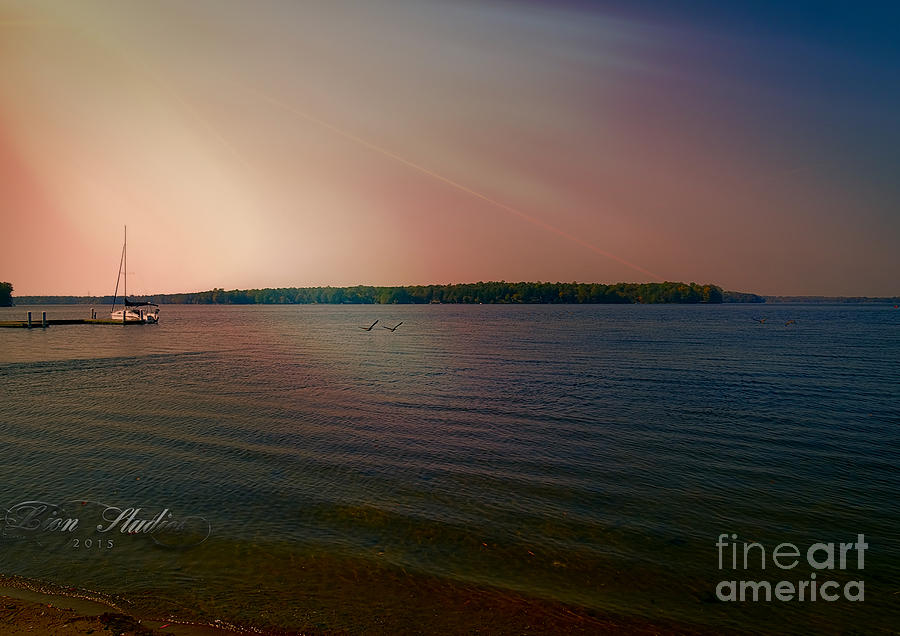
130	315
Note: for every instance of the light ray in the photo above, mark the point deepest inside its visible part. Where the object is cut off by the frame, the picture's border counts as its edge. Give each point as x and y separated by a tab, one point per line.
454	184
166	87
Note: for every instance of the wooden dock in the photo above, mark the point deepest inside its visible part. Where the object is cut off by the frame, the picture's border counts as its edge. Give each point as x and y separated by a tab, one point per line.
43	322
23	324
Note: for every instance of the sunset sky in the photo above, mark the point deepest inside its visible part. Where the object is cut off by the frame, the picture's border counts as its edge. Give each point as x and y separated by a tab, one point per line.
266	144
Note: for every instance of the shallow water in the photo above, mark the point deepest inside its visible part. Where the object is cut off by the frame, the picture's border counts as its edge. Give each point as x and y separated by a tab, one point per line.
586	455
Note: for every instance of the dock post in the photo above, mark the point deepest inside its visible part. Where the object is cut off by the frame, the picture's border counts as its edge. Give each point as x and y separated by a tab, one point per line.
44	319
29	320
123	315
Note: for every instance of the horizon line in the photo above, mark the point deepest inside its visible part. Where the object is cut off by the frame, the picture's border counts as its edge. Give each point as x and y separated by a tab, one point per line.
516	282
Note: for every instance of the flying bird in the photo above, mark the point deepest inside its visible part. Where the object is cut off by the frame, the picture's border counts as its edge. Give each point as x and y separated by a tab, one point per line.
394	328
789	322
369	328
760	320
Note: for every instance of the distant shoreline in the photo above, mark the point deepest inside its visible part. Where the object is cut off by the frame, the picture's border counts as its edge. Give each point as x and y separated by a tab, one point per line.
27	301
501	292
492	292
35	301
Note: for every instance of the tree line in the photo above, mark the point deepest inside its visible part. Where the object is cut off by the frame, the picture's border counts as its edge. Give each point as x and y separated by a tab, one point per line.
472	293
481	292
467	293
6	290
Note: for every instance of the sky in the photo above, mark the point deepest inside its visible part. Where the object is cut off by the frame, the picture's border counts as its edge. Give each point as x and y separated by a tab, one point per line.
749	144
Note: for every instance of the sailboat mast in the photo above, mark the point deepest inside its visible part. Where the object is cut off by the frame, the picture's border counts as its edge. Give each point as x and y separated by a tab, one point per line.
126	263
118	279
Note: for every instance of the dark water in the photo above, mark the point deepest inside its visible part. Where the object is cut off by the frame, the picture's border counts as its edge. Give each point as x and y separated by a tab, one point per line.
580	455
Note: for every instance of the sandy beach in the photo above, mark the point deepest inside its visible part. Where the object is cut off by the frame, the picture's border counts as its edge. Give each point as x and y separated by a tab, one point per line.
30	608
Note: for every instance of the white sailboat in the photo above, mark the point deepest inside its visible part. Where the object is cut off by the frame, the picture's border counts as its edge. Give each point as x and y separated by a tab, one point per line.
131	311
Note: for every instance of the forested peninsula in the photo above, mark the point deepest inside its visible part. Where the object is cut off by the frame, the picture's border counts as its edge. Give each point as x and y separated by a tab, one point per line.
468	293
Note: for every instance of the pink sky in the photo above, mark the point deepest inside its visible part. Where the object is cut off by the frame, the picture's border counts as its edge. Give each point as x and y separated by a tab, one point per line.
271	144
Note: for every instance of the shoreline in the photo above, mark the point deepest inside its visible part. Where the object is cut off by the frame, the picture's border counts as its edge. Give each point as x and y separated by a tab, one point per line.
34	607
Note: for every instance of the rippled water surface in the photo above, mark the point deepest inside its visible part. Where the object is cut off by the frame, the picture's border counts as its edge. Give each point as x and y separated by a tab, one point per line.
585	457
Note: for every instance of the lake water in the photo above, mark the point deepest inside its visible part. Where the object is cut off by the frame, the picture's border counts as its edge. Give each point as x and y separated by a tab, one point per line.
477	465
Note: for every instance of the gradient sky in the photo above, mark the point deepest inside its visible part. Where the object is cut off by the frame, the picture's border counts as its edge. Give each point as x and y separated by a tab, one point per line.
264	144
